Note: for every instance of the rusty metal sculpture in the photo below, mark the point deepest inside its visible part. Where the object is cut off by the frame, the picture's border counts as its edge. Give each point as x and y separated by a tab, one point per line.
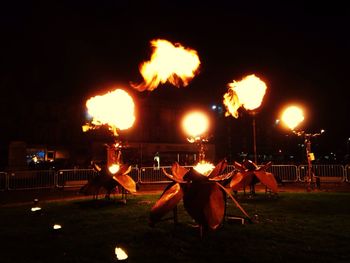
108	181
116	111
249	174
204	197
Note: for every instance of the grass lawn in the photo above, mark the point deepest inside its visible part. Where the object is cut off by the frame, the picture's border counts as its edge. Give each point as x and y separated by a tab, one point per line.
293	227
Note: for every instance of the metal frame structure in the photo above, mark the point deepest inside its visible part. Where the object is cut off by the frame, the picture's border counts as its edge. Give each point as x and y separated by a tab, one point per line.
46	179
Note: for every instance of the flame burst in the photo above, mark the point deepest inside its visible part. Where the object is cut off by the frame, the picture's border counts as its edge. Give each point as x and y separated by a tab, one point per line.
204	168
292	117
115	109
247	93
195	124
169	62
114	168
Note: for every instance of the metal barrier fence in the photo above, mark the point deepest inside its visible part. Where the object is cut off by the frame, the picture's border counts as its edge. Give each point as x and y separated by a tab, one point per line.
154	175
19	180
135	174
79	177
3	181
286	173
347	173
73	177
326	173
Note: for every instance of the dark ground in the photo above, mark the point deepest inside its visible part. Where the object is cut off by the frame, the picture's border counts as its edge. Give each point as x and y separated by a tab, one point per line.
18	197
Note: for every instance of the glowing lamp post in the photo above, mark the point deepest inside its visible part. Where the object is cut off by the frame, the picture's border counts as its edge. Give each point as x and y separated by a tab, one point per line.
247	93
292	116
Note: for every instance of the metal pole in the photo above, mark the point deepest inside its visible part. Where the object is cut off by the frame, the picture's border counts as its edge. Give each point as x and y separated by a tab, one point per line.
201	152
254	141
309	163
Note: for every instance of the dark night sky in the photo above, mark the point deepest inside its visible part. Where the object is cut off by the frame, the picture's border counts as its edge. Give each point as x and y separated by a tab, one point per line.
66	49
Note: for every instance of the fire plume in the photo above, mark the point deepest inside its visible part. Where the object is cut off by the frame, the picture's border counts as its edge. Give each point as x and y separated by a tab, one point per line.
204	168
114	168
292	117
169	62
195	124
115	109
247	93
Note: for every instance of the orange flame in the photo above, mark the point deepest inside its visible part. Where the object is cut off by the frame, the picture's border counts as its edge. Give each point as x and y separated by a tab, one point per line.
173	63
114	168
204	168
292	116
195	124
115	108
247	93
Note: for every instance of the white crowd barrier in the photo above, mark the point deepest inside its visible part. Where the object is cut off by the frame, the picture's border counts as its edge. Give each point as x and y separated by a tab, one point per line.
73	177
347	173
32	179
20	180
326	173
286	173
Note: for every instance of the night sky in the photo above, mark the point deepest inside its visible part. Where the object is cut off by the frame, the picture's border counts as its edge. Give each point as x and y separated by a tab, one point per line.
75	49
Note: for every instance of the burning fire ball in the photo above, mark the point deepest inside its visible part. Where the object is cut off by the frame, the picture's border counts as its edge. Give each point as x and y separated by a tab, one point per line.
169	62
203	196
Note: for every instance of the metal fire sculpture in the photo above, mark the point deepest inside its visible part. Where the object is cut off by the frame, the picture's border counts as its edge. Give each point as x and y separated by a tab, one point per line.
292	116
116	111
249	174
202	188
204	197
110	177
